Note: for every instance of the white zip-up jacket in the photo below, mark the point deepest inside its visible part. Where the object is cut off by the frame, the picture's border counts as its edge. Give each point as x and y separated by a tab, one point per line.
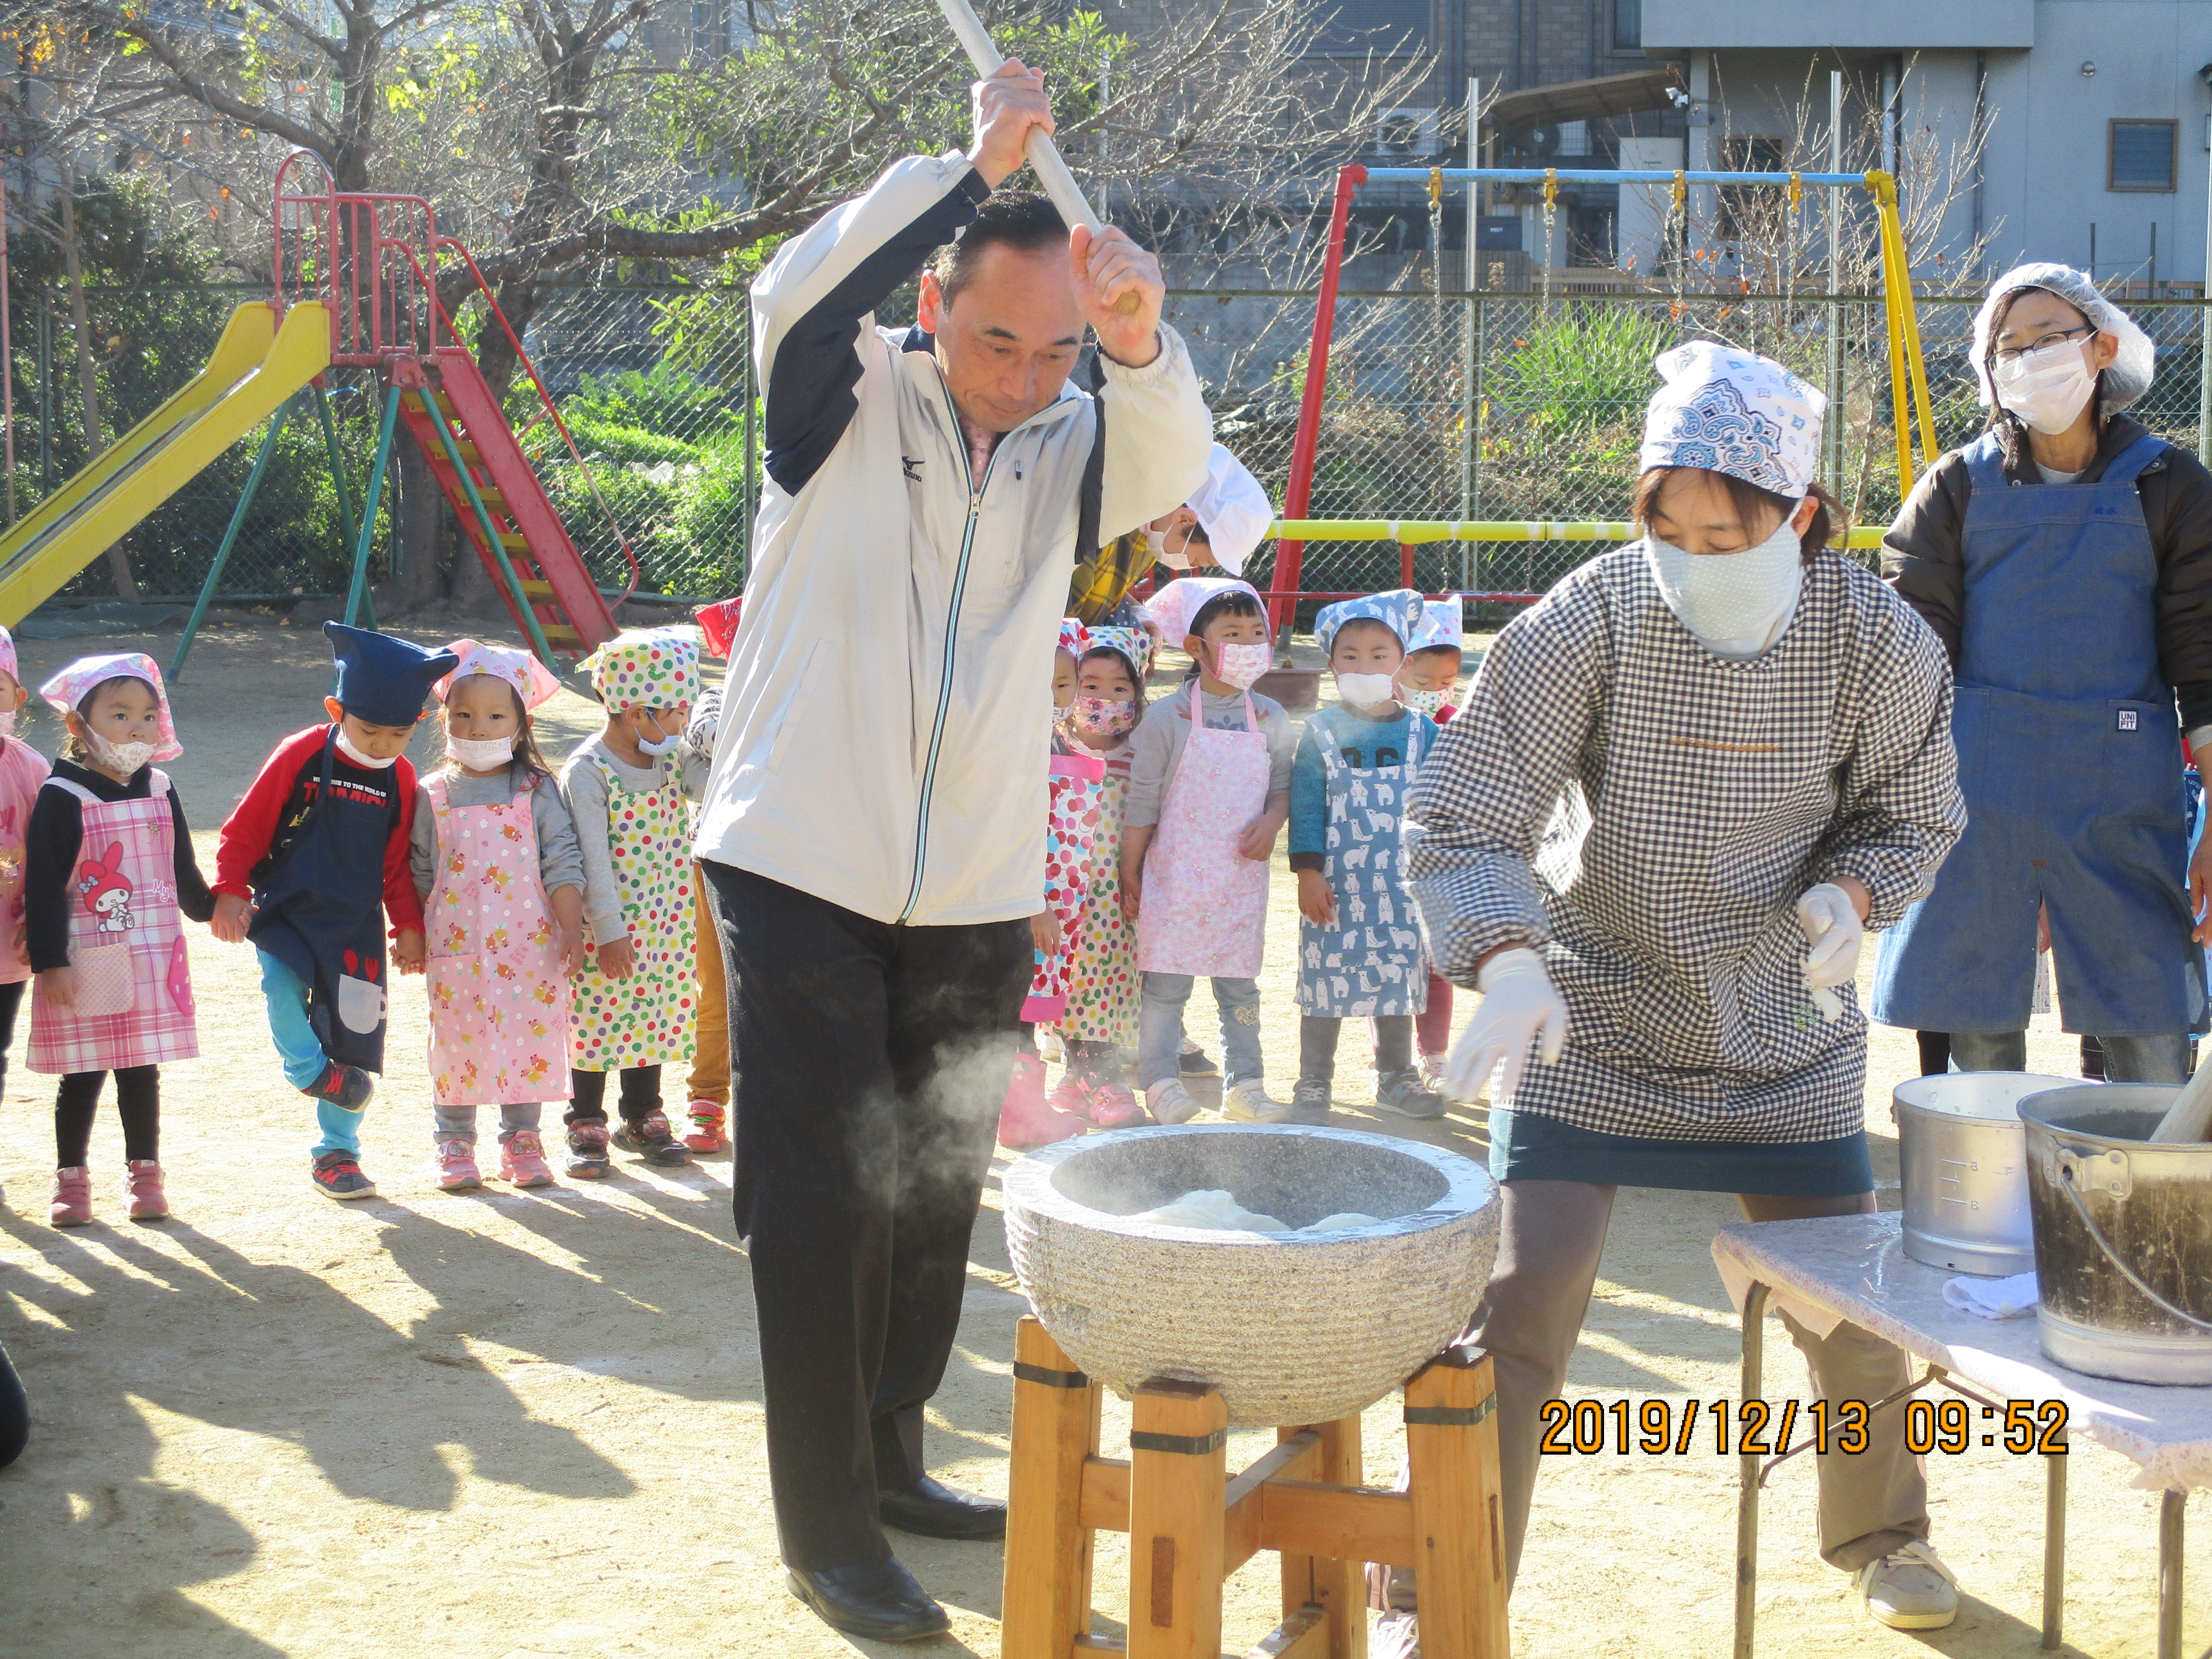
886	710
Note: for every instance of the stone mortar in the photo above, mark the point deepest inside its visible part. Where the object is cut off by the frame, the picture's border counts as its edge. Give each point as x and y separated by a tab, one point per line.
1292	1329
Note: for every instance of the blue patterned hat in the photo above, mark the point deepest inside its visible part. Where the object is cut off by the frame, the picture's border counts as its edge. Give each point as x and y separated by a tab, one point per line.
1442	624
1735	412
1400	610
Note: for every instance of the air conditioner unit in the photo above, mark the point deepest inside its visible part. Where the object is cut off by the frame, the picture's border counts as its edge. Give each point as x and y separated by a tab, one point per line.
1406	134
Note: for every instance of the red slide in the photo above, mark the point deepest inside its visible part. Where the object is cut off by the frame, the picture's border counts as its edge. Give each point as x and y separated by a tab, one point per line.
566	601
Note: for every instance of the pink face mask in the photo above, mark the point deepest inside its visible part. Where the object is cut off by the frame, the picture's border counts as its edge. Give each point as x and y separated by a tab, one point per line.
1240	665
1100	717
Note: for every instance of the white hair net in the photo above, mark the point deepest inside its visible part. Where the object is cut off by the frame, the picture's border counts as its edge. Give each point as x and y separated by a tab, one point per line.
2128	377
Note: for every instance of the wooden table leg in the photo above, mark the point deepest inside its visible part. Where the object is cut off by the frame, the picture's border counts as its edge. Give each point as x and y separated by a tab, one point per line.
1459	1522
1046	1602
1338	1587
1746	1497
1178	1468
2054	1549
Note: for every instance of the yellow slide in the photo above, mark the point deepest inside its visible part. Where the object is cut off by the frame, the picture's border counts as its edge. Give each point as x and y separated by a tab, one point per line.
257	366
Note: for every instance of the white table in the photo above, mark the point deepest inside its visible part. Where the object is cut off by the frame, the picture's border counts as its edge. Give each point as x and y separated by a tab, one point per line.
1855	1267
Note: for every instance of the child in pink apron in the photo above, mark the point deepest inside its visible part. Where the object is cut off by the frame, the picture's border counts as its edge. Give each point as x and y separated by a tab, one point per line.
22	771
495	857
1209	791
1074	781
108	867
1098	1025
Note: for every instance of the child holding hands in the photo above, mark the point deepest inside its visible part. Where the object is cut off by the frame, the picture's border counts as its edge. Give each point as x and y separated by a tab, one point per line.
636	999
109	869
22	774
495	857
1209	789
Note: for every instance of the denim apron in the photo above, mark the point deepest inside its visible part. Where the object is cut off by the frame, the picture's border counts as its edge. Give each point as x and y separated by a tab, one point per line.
2069	759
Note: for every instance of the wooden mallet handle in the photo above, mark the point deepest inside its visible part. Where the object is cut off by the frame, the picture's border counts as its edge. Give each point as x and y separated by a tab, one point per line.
1041	153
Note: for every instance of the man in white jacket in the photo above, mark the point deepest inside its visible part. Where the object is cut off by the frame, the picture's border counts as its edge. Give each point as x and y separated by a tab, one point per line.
873	831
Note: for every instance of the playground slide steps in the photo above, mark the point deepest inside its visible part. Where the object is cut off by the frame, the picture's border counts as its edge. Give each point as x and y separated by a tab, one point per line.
257	364
565	601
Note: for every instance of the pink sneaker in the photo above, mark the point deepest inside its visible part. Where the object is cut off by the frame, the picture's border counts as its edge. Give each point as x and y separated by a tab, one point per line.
457	1167
1112	1104
1026	1120
142	1190
522	1160
72	1204
706	1120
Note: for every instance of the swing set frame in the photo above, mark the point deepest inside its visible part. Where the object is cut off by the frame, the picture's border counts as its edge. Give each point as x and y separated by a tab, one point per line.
1908	370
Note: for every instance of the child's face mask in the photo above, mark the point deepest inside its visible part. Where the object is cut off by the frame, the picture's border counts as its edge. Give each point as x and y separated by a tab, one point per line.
662	743
1103	717
1240	666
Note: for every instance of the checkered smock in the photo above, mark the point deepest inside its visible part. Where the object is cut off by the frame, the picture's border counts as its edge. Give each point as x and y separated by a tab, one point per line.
1647	814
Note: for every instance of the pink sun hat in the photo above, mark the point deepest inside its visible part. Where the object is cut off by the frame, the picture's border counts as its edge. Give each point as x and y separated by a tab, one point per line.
530	677
75	683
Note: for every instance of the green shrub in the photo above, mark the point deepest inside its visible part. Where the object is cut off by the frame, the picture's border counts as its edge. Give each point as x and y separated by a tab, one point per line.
618	442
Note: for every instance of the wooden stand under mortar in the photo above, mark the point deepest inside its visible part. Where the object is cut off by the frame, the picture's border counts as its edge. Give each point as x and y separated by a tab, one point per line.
1190	1524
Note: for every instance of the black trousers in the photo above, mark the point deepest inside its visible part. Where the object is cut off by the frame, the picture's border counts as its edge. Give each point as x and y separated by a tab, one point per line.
868	1065
137	1102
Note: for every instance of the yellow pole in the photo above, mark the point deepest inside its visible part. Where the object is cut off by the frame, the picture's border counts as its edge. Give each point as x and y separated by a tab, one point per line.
1884	190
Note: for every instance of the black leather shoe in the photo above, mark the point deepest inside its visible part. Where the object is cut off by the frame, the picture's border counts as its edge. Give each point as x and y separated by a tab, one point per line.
882	1602
931	1510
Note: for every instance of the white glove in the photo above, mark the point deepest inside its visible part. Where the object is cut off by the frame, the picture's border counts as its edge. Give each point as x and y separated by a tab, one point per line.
1519	1004
1832	925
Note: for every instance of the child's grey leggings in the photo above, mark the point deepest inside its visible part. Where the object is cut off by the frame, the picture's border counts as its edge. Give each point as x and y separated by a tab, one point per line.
459	1122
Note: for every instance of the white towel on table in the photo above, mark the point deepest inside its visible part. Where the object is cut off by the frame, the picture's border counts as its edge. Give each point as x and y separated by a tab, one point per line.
1992	1298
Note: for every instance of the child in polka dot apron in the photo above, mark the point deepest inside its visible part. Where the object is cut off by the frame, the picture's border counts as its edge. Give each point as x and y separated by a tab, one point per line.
1073	780
493	854
637	996
22	773
109	877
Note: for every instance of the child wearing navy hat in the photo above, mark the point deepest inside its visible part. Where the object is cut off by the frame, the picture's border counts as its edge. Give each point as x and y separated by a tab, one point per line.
308	865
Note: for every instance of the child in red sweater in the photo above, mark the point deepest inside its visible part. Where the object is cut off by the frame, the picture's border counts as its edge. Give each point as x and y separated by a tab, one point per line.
1427	682
307	867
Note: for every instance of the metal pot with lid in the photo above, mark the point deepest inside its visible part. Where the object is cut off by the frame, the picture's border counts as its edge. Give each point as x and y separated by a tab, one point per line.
1963	1160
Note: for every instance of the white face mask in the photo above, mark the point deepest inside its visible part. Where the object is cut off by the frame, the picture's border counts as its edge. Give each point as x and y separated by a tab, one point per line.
1733	602
346	748
479	754
1156	540
1240	665
659	748
2049	395
123	757
7	722
1365	691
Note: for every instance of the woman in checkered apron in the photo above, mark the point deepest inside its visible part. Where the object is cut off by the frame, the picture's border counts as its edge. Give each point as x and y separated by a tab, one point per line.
1678	792
108	868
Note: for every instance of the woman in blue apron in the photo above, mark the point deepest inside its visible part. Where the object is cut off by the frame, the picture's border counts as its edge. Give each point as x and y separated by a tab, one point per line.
2065	559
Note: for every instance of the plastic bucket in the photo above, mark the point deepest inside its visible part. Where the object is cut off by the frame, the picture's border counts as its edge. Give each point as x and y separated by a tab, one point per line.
2123	1235
1963	1159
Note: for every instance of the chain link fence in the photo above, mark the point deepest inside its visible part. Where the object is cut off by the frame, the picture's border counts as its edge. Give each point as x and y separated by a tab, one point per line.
1483	406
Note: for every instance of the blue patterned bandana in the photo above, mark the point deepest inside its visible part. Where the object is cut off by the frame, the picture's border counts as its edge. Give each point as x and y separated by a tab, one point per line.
1732	411
1398	611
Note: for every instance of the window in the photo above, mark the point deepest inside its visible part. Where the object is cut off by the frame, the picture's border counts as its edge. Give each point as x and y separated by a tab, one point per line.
1748	210
2141	155
1628	25
1574	138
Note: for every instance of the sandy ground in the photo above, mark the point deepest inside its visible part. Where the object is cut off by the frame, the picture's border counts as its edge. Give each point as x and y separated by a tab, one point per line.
522	1423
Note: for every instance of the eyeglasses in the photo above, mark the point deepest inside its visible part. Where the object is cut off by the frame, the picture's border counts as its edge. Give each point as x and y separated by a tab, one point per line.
2048	342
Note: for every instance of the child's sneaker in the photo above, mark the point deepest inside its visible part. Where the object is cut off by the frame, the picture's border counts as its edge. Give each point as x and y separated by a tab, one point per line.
1402	1092
72	1203
651	1139
522	1160
1432	1077
1309	1101
587	1151
1112	1105
1027	1119
457	1167
1247	1101
344	1085
1168	1102
142	1190
706	1120
1191	1061
338	1174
